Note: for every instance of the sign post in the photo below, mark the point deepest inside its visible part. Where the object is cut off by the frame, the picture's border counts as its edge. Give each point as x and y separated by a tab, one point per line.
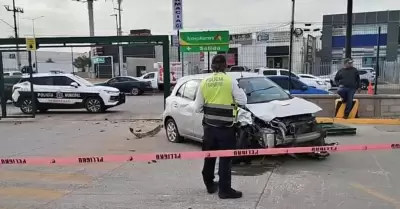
31	44
99	60
177	11
204	41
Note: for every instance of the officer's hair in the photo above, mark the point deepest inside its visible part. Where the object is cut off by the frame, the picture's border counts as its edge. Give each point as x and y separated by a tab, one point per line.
218	67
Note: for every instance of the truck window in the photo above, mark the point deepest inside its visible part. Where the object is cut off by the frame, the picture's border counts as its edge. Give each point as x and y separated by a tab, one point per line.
149	76
269	72
237	69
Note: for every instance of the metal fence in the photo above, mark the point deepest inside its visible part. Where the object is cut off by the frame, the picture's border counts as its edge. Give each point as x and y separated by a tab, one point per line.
8	78
269	47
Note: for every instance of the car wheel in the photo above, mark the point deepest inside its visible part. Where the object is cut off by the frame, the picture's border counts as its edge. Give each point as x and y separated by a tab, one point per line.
364	85
135	91
94	105
171	130
26	106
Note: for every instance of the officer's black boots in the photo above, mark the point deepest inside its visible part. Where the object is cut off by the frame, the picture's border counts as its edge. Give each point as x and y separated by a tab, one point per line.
211	189
231	194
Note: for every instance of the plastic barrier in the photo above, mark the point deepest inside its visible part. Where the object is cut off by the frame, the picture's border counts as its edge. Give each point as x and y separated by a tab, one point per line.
189	155
340	106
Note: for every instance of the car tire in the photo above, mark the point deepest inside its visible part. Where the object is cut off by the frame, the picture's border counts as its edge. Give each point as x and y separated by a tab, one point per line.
364	84
26	106
135	91
94	105
171	130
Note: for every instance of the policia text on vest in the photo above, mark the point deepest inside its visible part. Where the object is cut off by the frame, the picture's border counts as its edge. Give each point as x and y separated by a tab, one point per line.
215	82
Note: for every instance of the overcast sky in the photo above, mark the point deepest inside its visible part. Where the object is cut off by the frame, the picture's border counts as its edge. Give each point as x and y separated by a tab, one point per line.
68	17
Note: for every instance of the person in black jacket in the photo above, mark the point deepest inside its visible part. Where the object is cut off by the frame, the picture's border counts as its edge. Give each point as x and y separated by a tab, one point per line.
348	81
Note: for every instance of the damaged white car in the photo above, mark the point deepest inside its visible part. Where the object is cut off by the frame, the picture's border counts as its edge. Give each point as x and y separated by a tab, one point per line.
271	118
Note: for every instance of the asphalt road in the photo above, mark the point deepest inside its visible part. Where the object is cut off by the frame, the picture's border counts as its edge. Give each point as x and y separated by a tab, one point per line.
357	180
148	106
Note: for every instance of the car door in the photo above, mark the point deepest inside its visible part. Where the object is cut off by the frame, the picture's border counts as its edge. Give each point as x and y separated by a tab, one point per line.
67	94
297	87
281	81
114	82
45	90
125	84
183	107
152	78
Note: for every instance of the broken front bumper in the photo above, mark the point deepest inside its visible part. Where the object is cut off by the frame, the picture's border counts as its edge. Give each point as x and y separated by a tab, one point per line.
299	139
271	139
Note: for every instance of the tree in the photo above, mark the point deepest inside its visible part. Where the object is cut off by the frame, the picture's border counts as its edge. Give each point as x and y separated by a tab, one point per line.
49	60
82	62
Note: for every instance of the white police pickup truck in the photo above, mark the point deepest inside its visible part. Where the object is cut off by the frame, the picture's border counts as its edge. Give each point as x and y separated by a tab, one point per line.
64	91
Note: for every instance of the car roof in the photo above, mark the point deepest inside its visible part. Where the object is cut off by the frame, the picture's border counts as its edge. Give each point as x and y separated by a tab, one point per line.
306	74
46	74
279	76
265	68
234	75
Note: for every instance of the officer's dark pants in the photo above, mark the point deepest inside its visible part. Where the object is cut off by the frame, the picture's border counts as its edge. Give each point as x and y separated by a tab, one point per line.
217	138
347	95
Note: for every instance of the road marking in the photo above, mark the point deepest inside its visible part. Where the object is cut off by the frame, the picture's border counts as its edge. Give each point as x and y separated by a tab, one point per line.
30	193
37	176
376	194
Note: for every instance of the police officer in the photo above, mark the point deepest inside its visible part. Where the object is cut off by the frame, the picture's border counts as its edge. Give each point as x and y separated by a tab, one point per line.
218	98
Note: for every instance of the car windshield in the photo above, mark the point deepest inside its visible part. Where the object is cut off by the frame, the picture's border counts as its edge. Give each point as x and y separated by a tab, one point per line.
83	81
260	90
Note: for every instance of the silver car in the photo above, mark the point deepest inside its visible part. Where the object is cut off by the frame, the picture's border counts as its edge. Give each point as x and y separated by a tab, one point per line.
272	117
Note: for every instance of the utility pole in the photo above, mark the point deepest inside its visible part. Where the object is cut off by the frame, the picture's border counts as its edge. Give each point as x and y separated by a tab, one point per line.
91	25
291	45
349	27
34	36
116	22
15	10
120	48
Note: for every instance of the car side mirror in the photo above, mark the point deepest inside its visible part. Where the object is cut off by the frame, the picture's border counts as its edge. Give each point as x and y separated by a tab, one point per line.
304	88
74	84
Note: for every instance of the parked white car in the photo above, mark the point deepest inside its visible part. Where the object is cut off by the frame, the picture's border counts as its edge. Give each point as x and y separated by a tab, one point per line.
274	117
315	81
310	81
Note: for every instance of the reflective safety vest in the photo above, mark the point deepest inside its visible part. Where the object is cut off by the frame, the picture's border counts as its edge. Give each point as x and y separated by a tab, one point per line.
219	106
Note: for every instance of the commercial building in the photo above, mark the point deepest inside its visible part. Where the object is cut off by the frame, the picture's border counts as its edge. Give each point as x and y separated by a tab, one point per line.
364	37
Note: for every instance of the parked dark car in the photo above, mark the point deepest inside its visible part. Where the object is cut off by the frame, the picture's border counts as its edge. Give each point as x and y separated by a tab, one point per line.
9	82
127	84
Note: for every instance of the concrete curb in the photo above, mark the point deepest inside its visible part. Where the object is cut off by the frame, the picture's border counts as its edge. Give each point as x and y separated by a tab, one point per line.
360	121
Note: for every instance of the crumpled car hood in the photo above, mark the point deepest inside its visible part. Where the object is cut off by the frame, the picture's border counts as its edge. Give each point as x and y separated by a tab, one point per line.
277	109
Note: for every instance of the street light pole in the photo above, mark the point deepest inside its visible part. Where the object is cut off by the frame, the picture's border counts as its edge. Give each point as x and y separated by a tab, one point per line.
34	36
120	48
349	27
116	22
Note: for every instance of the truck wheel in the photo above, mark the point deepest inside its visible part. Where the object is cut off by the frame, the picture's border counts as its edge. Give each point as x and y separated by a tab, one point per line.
94	105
